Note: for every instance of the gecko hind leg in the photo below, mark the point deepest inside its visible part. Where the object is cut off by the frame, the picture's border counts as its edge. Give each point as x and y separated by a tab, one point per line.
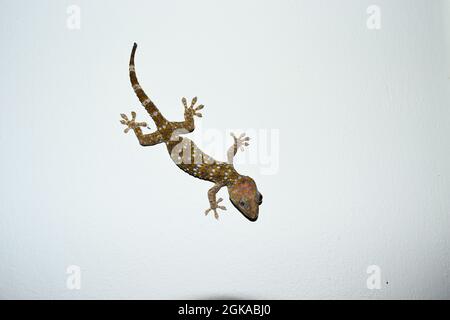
189	113
150	139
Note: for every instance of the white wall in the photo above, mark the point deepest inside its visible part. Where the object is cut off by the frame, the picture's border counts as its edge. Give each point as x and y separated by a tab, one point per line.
363	174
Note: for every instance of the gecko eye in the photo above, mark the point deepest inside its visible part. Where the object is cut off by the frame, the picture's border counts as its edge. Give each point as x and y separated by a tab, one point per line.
260	198
243	204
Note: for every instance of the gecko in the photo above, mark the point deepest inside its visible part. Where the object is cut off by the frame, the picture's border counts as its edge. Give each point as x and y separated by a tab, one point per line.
242	190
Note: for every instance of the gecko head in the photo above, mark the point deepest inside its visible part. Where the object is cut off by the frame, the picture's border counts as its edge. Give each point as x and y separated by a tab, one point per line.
244	195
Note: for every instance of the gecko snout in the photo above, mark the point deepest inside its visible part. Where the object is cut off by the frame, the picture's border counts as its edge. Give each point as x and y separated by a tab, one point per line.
245	197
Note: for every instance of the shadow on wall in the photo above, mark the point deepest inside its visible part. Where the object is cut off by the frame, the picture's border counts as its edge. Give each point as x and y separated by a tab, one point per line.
225	297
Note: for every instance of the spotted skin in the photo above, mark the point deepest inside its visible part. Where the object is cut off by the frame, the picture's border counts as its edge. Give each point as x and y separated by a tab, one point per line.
188	157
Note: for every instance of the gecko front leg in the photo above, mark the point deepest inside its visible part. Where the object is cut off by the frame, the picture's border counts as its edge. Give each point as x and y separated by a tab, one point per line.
212	200
239	143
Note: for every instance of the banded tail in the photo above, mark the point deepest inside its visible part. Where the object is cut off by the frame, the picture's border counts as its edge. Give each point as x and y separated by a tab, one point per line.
143	98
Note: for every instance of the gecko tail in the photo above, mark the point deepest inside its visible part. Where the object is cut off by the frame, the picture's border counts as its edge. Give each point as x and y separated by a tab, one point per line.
143	98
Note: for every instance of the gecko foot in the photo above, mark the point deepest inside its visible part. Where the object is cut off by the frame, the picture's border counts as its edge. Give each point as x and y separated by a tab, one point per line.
191	110
241	141
131	124
214	209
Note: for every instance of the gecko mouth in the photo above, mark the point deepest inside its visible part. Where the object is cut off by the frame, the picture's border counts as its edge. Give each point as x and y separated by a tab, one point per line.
243	213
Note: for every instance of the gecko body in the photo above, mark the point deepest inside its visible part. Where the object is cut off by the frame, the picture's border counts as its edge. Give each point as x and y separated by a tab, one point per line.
244	194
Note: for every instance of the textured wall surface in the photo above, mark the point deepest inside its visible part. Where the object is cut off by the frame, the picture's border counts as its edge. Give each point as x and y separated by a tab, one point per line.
350	128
